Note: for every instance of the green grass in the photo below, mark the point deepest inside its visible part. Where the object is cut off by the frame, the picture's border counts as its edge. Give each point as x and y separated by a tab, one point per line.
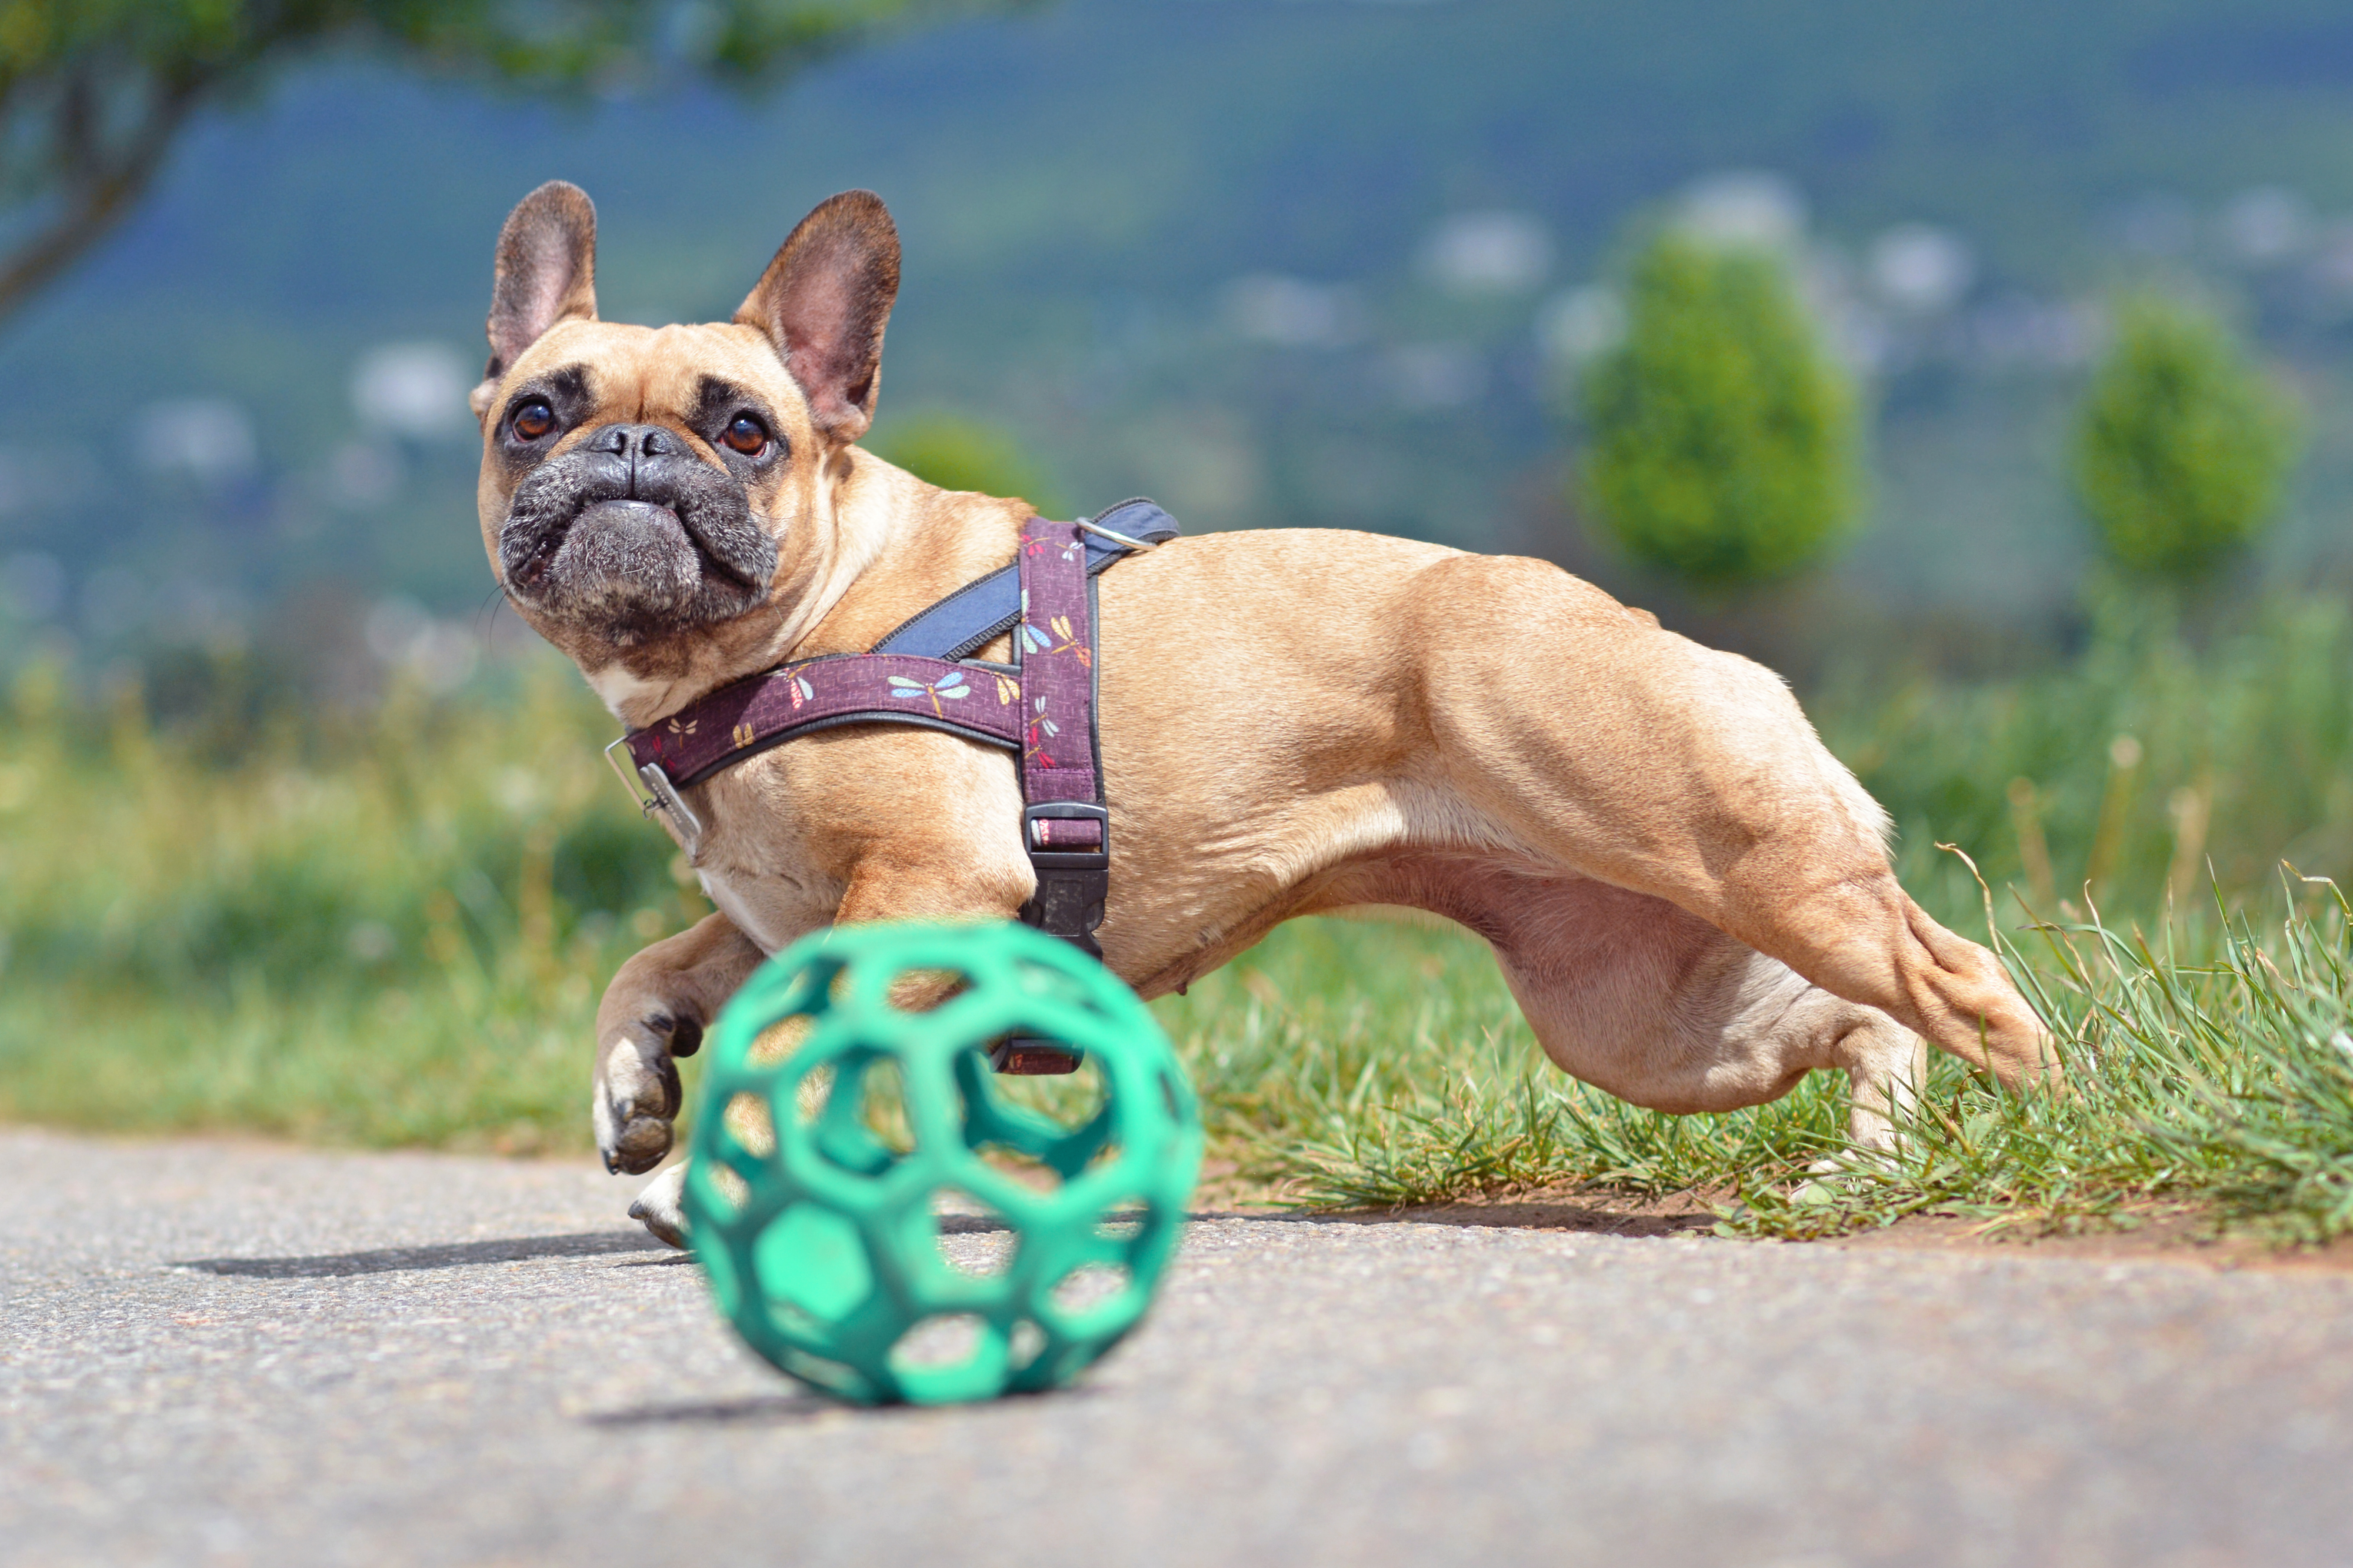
1355	1065
392	927
386	932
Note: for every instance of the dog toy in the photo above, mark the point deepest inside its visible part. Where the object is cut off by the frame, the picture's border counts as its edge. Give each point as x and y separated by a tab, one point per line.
836	1128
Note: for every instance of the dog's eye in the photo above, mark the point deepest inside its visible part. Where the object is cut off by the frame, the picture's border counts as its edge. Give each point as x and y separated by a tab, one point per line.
532	420
746	435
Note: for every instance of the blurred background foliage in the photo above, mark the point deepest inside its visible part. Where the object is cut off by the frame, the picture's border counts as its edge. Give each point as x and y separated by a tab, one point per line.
957	452
1720	434
2045	389
94	93
2183	448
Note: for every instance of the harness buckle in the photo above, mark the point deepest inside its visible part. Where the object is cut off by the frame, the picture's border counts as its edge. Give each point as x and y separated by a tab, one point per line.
660	796
1073	884
1034	838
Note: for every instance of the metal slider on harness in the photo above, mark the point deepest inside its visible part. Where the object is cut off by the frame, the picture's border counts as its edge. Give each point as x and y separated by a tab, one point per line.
1111	534
660	796
1043	852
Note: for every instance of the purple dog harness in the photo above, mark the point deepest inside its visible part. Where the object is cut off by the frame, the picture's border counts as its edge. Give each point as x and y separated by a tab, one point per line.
1042	707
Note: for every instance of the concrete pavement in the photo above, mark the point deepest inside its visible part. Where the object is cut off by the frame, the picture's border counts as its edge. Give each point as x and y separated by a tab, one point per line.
219	1353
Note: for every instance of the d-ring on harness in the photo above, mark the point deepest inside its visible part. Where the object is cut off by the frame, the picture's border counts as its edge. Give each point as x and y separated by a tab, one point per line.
1041	708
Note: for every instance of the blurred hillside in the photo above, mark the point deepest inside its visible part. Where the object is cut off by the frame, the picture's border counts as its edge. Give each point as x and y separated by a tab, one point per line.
1269	260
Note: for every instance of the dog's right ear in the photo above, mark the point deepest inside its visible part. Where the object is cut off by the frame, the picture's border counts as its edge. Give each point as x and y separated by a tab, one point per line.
545	273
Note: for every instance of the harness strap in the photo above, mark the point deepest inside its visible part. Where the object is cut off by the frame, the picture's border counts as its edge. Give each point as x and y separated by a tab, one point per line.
985	610
1043	710
746	718
1065	823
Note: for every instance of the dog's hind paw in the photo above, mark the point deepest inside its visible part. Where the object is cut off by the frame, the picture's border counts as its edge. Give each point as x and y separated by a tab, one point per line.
660	1208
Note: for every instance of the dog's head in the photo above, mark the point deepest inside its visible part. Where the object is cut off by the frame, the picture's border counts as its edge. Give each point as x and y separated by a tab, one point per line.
654	499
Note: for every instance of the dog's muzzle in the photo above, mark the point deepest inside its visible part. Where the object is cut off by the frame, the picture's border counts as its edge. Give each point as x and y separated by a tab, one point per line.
631	531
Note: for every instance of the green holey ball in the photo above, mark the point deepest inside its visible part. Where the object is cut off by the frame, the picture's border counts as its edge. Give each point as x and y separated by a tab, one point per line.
839	1135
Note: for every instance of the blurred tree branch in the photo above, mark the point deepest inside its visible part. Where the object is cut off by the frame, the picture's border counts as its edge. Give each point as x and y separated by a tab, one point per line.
93	93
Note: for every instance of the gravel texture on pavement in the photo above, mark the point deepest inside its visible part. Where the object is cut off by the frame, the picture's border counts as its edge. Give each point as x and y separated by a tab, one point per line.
217	1352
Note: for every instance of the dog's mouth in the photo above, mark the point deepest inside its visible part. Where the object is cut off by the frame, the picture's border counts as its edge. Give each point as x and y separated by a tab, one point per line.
619	534
632	567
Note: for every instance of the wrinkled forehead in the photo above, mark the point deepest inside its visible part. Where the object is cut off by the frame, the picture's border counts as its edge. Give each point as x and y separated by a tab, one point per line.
653	372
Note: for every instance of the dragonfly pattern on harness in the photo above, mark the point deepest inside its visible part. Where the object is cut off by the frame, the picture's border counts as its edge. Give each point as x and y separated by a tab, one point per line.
949	686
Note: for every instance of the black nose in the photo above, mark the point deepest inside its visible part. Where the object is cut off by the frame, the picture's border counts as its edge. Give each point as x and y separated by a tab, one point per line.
632	442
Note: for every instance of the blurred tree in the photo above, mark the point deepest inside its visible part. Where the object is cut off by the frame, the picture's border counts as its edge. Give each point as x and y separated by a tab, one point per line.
93	92
1722	435
2183	446
960	454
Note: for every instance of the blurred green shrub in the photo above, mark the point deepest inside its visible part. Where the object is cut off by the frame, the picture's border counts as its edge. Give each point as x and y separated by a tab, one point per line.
1722	436
957	453
2183	446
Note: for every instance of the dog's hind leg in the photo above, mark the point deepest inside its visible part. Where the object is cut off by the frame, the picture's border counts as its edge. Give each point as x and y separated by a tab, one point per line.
1599	744
1637	996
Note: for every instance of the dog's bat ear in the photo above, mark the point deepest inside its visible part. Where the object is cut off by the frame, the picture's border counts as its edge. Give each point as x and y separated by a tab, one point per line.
545	273
823	302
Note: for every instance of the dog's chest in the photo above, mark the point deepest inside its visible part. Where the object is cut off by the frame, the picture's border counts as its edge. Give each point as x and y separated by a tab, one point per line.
765	887
730	898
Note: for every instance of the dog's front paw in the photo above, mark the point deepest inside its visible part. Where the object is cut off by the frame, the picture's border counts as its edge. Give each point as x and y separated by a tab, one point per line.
636	1095
661	1207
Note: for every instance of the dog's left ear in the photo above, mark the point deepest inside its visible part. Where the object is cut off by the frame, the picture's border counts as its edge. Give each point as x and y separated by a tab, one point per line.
823	302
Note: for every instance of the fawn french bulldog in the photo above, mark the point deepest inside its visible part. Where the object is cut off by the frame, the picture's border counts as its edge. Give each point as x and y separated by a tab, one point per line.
1689	896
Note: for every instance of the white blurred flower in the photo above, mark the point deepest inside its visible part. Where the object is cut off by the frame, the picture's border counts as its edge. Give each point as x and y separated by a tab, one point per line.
210	438
1577	325
1922	269
413	389
1291	312
2266	224
1488	253
1743	206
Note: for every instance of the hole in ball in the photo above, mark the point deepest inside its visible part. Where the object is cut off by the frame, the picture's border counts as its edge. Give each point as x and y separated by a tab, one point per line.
1120	1224
947	1339
730	1190
1068	1100
779	1040
748	1122
882	1105
973	1239
1090	1288
1021	1165
813	1092
921	990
